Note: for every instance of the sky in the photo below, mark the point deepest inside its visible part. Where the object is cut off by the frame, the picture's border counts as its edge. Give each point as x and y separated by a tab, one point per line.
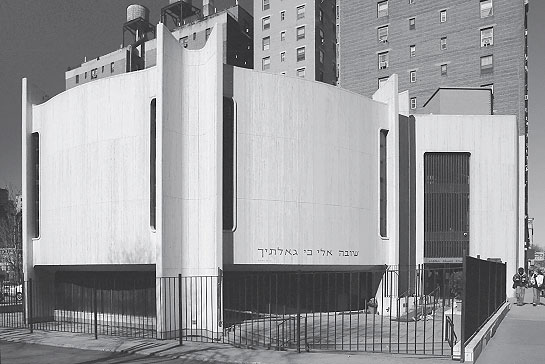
41	39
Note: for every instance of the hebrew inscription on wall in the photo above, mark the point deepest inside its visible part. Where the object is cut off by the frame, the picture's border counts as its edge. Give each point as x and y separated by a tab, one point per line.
274	252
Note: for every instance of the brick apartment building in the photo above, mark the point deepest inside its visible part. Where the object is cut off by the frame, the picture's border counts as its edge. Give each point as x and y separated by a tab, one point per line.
440	43
296	39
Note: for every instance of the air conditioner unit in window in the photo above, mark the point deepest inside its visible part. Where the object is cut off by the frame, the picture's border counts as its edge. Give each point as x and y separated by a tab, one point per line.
486	42
382	65
383	40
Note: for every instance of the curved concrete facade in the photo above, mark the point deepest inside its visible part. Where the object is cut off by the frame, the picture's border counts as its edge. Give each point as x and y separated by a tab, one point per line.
307	173
94	168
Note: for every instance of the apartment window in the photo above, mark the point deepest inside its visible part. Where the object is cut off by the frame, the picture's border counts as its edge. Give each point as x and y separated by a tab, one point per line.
112	67
207	33
94	73
443	16
266	63
282	15
412	76
321	56
412	51
443	43
487	37
413	103
383	60
300	54
301	72
412	23
382	9
443	70
184	42
77	78
487	64
194	35
282	56
282	36
300	12
338	12
321	15
301	33
85	75
152	163
35	148
266	43
381	81
266	23
382	34
266	4
321	33
486	8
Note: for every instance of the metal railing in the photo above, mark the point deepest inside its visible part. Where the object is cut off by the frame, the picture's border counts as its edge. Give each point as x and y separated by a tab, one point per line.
413	310
484	292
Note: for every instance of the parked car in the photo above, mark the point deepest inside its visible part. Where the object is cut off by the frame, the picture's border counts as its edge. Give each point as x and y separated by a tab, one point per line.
12	292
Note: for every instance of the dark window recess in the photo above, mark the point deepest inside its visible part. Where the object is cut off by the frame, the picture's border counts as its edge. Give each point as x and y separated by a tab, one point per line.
35	145
383	183
228	164
446	205
152	164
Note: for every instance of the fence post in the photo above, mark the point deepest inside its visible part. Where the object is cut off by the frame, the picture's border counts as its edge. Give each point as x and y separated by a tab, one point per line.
180	308
30	318
298	311
464	308
95	308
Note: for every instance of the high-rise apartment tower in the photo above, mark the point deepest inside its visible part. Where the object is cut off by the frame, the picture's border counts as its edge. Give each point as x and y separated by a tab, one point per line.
439	43
296	38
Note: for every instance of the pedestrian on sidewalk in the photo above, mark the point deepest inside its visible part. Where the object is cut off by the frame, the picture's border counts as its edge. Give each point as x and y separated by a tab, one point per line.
520	281
533	285
538	286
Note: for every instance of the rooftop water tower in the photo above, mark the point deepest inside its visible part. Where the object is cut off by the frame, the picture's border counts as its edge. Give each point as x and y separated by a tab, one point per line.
181	12
139	27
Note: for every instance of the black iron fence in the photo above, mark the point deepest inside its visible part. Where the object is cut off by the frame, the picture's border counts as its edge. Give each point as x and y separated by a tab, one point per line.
12	313
485	284
396	310
346	311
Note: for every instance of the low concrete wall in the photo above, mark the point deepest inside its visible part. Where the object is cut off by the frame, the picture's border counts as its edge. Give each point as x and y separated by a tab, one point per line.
481	339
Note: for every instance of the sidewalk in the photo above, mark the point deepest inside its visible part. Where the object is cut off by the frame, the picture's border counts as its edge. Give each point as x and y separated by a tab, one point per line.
205	352
521	336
